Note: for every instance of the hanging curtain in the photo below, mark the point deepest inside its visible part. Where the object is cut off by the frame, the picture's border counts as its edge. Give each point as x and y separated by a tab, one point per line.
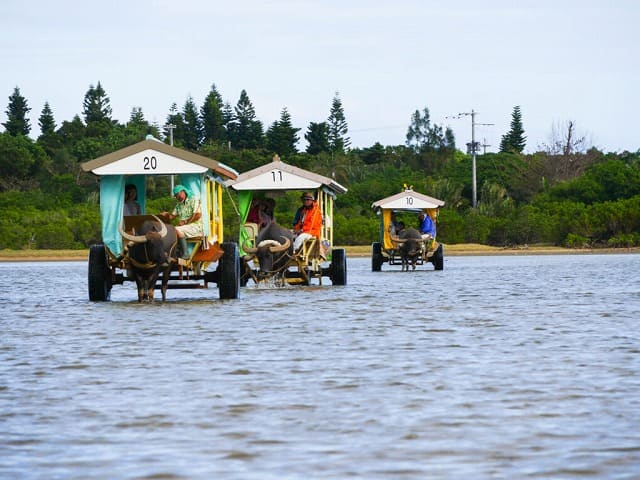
111	204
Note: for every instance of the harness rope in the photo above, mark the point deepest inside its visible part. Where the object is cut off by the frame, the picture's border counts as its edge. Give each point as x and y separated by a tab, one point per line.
148	265
284	265
232	202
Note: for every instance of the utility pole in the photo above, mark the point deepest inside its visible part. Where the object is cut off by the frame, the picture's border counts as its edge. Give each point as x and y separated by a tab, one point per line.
473	148
170	127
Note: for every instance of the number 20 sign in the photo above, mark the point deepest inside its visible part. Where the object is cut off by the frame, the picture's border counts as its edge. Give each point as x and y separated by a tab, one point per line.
150	163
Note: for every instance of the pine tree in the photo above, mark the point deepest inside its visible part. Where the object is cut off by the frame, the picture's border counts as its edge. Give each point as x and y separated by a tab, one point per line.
46	121
418	133
514	140
229	123
17	122
211	117
137	117
97	112
192	125
137	128
96	105
174	126
338	140
422	136
318	138
249	131
281	137
449	139
50	140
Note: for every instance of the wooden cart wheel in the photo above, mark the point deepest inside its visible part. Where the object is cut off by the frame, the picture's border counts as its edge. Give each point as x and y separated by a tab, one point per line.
99	274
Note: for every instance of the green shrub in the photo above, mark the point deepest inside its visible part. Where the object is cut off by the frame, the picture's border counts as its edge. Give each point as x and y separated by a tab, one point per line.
576	241
627	240
55	236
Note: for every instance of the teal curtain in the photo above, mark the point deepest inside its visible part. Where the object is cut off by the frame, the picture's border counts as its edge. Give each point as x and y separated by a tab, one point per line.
111	204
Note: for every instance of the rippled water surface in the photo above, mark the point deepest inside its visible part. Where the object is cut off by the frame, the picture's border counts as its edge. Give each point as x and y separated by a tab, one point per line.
496	367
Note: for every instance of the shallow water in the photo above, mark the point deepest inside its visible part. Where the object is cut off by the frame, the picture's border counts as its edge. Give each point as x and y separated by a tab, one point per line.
495	367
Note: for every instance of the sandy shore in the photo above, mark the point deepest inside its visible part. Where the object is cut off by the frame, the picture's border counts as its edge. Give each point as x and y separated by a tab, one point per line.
467	249
352	251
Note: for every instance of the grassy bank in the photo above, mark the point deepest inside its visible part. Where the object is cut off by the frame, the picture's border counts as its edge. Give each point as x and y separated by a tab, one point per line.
352	251
42	255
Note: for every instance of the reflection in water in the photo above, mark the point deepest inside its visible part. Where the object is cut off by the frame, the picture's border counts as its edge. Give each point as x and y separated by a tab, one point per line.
496	367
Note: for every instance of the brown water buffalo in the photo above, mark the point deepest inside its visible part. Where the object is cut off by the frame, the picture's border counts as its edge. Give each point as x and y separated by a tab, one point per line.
150	251
274	249
411	243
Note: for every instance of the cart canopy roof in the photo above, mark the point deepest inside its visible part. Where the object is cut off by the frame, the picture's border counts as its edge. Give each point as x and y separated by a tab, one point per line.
153	157
278	175
407	200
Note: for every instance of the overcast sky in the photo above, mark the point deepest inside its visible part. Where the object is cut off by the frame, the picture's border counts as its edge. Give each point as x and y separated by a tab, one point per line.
559	60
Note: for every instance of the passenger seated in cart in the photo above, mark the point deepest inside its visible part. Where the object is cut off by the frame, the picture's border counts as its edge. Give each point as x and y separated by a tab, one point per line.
261	212
254	211
131	205
427	227
266	212
307	222
188	211
395	227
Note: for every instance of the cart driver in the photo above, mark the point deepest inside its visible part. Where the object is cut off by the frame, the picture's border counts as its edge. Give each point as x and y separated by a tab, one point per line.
189	214
307	222
427	227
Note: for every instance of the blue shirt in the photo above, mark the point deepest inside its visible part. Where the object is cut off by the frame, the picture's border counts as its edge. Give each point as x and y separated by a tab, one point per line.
427	226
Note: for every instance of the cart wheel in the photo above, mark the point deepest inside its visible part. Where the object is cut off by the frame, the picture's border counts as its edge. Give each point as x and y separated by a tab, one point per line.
438	258
229	279
339	266
99	274
376	257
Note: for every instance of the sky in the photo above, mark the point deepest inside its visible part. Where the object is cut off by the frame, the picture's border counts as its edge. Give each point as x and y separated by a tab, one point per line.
559	60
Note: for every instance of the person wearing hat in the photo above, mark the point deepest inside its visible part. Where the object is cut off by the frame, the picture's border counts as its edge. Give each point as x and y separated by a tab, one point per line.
307	222
189	214
427	227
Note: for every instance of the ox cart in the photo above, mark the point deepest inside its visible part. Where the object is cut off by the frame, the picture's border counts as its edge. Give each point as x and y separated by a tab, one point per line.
271	252
141	247
406	246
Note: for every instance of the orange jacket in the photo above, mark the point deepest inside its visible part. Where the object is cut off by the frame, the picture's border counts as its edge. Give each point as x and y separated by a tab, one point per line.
310	221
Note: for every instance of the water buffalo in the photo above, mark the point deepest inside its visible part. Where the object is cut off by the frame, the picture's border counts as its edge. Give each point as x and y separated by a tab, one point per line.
411	243
274	249
150	252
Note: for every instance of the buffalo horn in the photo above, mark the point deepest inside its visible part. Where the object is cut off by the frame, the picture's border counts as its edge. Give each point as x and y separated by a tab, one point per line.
395	238
282	247
143	238
131	238
248	249
163	227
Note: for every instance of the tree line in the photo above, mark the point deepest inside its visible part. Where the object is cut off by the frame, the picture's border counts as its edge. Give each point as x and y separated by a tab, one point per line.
563	194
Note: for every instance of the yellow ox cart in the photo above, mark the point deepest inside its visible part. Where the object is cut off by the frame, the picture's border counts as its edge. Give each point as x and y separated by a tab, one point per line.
406	204
313	258
110	262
